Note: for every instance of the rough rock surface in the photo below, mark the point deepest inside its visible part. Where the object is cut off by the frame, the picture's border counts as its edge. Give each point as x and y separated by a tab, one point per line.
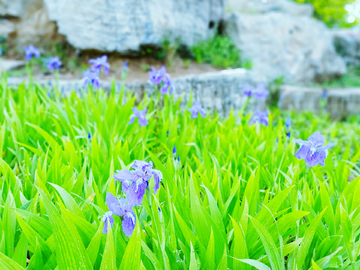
340	102
9	64
297	47
347	45
218	91
125	25
12	8
6	28
19	8
261	6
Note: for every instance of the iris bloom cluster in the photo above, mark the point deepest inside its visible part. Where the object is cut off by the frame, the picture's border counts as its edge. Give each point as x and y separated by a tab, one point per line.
91	76
288	126
260	92
141	115
313	151
53	63
160	76
196	109
134	184
261	117
30	52
100	62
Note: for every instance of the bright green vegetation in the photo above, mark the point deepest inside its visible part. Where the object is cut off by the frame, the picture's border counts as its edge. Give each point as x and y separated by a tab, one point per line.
220	51
332	12
238	197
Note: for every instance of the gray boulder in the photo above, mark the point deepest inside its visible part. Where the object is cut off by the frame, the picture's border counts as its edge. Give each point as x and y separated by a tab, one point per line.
347	44
261	6
296	47
125	25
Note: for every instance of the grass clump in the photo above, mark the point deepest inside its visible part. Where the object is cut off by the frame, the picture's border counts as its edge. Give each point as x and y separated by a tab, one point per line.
236	197
220	51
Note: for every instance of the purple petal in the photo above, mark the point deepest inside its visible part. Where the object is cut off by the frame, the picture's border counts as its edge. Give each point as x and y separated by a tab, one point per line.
135	196
162	71
105	228
328	146
125	205
164	90
303	152
108	219
132	119
122	175
136	112
317	139
157	178
143	165
113	204
128	223
315	159
96	83
143	121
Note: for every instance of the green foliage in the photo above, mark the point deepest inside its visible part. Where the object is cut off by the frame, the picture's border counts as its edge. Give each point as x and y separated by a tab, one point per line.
238	198
332	12
220	51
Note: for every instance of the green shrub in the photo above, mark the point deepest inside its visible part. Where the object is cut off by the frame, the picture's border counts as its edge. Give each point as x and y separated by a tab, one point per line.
220	51
332	12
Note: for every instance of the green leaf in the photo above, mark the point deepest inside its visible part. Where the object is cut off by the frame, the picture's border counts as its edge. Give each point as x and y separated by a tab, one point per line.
269	245
132	255
8	264
307	239
108	261
69	254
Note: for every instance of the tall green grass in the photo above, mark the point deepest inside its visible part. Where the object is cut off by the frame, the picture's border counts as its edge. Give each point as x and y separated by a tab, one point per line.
238	198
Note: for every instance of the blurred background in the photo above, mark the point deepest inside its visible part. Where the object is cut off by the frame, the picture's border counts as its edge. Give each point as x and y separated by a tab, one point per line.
293	46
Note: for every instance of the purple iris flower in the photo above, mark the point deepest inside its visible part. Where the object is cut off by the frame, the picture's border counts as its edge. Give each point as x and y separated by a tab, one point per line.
261	92
114	208
261	117
288	122
135	182
174	150
324	94
313	151
141	115
247	90
100	62
122	209
89	135
91	78
31	51
156	76
197	108
125	66
167	85
53	63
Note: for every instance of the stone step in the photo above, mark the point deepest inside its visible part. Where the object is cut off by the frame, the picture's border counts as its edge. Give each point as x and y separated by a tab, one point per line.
340	103
220	90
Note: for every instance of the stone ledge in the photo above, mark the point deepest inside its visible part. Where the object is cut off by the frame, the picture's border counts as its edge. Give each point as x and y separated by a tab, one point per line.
340	102
218	91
